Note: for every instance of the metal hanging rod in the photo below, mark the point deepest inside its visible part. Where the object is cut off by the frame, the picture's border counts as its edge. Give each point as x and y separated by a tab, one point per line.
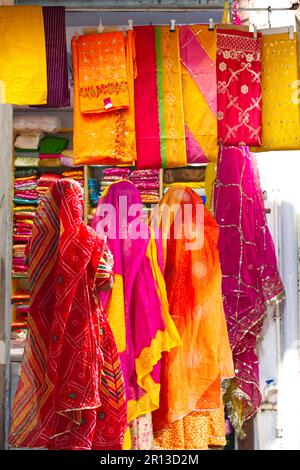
175	9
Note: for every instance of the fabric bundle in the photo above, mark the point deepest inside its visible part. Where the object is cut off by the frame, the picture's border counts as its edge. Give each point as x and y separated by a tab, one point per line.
239	93
38	122
103	83
50	150
23	68
26	157
280	98
25	190
159	120
94	191
147	182
112	175
104	130
19	259
58	94
198	68
28	141
250	277
45	181
76	175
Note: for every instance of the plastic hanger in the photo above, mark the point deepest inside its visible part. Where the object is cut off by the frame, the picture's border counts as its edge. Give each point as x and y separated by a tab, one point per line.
100	25
172	25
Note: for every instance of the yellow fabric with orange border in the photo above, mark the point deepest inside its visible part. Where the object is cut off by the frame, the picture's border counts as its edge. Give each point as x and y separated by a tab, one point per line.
106	138
23	66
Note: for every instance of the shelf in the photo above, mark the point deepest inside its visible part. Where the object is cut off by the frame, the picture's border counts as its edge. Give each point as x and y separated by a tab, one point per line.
19	276
42	110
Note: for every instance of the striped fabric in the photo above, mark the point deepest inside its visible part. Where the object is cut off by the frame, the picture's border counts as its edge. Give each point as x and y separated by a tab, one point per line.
198	68
57	57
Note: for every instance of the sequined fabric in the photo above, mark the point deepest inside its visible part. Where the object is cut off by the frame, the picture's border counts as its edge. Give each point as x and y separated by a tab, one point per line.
250	277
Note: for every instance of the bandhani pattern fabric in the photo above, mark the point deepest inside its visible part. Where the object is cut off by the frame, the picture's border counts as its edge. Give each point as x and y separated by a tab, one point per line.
137	307
193	281
23	67
57	57
200	430
198	49
239	93
141	433
159	119
103	84
250	278
81	406
105	138
280	110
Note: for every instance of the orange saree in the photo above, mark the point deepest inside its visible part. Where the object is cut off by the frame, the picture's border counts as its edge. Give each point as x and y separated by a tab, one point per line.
191	410
103	135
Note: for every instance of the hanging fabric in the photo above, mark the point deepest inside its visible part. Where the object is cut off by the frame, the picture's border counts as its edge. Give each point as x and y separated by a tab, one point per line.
250	278
23	67
81	406
105	138
239	88
158	99
193	281
58	95
103	84
198	68
280	97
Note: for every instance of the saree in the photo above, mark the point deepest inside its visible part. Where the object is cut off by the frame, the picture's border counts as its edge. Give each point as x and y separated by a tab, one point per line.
239	96
250	278
280	109
58	95
103	84
106	138
70	393
23	68
198	49
137	306
193	281
159	121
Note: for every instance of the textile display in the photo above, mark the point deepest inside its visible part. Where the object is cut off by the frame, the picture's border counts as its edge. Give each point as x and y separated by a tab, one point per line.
159	121
198	48
53	144
280	109
23	68
250	278
102	74
29	123
137	306
193	281
28	141
82	406
106	138
239	95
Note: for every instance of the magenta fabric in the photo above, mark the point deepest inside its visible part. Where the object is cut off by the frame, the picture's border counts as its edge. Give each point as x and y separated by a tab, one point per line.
248	261
143	316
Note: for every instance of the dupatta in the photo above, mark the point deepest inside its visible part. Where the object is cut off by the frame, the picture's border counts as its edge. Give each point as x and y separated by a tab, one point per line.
70	393
193	281
250	277
137	306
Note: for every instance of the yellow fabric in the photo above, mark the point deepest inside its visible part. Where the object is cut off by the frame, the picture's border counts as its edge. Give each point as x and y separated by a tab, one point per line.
172	92
23	67
210	176
202	125
199	431
116	314
105	138
127	440
226	14
190	184
280	111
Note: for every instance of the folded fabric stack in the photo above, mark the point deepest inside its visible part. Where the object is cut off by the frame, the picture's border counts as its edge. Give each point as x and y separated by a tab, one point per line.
45	181
112	175
50	150
76	175
26	157
67	158
147	182
19	259
25	188
94	191
23	223
32	123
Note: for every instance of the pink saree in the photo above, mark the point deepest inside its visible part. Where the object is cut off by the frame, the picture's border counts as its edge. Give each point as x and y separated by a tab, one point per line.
137	306
250	277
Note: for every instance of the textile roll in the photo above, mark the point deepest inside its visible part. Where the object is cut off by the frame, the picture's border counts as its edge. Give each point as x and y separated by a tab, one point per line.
239	88
57	57
198	68
159	117
23	68
280	98
103	84
105	138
